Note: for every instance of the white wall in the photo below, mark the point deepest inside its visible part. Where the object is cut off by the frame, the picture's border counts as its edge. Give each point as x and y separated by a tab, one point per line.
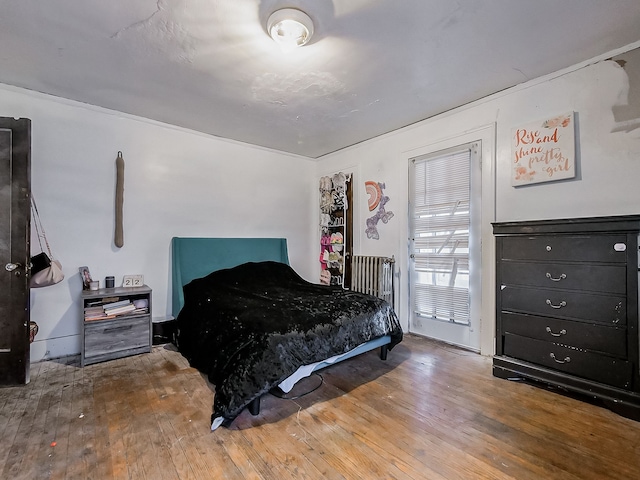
183	183
608	165
177	183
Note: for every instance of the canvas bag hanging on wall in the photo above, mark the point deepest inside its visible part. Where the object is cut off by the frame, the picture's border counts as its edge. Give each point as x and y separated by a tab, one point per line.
45	270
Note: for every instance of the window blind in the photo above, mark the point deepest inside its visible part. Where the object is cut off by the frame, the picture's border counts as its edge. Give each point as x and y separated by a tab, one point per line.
440	236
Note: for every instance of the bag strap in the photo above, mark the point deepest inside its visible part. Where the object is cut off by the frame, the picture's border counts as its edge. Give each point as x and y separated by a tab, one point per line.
39	227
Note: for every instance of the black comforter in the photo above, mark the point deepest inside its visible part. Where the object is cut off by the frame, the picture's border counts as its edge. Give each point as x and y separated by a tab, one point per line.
250	327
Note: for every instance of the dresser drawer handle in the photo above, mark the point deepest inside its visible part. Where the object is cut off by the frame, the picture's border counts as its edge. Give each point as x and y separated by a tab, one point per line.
562	304
561	277
562	332
566	359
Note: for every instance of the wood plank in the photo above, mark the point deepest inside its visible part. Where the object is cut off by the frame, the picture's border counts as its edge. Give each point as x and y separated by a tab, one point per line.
169	444
29	418
65	419
79	445
44	453
456	437
407	446
14	405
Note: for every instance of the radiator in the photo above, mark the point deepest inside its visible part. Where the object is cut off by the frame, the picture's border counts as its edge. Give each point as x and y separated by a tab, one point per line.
373	275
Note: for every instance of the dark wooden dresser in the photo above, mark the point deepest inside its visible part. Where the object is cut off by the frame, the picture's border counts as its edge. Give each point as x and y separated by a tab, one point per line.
567	306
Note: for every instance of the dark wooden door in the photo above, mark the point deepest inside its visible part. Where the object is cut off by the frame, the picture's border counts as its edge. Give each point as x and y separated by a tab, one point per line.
15	174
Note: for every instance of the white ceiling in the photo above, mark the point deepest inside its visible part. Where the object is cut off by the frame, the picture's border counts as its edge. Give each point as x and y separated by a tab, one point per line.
372	66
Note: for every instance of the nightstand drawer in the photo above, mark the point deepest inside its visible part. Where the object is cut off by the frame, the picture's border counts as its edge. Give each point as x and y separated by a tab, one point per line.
569	248
593	366
599	338
589	307
108	339
594	277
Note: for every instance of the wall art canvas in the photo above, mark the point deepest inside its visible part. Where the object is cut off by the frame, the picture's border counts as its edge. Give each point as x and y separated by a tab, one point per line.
543	151
376	200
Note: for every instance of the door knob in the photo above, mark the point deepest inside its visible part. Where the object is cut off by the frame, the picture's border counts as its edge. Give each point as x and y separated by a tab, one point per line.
10	267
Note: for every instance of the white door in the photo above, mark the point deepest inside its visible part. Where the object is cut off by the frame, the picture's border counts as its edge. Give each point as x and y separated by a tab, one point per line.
445	240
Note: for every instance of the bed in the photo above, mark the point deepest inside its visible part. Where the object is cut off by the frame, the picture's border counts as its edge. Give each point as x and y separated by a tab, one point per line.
250	323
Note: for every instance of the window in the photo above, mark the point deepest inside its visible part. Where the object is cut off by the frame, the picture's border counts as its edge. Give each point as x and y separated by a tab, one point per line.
440	234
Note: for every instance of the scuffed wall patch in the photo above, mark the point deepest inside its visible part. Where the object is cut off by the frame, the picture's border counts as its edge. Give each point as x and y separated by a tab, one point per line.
627	114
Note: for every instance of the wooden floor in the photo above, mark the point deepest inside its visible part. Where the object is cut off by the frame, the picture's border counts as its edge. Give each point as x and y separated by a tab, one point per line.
429	412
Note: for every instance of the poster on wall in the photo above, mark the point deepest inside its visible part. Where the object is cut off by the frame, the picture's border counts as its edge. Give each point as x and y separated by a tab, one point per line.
376	200
543	151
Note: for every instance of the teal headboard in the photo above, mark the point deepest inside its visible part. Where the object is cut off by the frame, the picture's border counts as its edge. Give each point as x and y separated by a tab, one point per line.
197	257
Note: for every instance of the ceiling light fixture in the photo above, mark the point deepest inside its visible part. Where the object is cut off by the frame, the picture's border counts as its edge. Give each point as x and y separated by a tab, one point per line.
290	28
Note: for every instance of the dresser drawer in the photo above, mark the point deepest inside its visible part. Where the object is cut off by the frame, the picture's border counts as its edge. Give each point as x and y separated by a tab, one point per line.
589	307
569	248
104	340
590	365
594	277
610	340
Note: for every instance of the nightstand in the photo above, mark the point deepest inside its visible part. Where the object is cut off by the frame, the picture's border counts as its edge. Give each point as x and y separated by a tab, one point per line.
115	335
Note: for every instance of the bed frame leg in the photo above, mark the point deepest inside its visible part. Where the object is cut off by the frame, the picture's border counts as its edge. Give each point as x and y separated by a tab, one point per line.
383	352
254	406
